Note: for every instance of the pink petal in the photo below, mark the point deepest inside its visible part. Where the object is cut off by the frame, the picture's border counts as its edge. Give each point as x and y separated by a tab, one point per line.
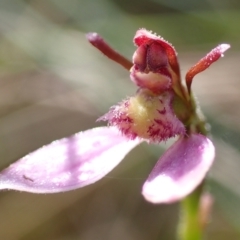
180	170
69	163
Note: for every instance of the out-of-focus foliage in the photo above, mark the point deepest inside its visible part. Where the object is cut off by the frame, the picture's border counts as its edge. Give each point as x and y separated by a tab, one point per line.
53	84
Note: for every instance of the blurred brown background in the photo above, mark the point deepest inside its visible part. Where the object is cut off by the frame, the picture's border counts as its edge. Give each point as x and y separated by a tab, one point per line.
53	83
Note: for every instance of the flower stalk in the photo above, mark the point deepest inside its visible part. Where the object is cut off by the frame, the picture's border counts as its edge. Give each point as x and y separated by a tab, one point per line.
189	227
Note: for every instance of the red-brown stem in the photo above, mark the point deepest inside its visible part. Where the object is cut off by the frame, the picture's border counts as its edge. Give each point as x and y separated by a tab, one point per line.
98	42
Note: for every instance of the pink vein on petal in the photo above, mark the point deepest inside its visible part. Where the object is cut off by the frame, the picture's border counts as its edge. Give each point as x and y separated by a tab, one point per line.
68	163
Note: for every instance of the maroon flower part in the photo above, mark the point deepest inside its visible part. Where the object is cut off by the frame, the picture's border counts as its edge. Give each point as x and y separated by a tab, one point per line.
144	37
161	108
155	63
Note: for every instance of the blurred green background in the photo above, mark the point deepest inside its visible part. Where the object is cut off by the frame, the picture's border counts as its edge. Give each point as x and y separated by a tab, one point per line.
53	83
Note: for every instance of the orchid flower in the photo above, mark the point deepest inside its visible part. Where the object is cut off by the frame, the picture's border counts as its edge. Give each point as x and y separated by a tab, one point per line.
162	107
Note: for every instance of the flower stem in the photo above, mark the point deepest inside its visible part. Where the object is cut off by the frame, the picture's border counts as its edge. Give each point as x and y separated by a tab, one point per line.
190	227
